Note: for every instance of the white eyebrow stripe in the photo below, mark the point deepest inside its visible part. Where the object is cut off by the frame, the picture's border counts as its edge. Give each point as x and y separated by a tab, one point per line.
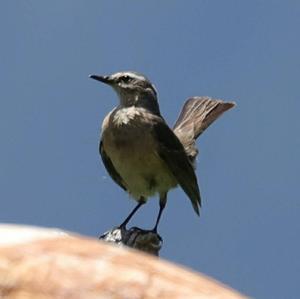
130	74
141	78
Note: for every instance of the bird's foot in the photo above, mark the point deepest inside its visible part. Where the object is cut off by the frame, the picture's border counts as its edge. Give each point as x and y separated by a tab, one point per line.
146	240
147	231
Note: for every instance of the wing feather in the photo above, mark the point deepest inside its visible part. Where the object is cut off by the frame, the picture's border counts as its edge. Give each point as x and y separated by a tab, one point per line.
110	167
171	151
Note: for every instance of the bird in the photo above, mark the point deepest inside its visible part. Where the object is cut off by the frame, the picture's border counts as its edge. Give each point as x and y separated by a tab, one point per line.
141	153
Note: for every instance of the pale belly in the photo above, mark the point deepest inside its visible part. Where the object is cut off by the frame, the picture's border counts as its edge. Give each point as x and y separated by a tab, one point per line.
133	153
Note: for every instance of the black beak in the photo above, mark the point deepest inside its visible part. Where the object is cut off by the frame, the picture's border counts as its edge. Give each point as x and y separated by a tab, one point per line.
104	79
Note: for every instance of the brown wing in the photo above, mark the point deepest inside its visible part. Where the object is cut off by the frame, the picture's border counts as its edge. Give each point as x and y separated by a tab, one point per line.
171	151
110	167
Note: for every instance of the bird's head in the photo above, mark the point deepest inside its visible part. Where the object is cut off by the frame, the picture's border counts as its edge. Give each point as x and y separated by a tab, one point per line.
132	88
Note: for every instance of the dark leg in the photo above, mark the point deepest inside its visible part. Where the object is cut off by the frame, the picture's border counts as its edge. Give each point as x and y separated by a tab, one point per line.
141	202
162	204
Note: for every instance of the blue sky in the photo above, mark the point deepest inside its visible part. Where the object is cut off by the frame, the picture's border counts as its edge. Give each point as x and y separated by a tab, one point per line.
248	168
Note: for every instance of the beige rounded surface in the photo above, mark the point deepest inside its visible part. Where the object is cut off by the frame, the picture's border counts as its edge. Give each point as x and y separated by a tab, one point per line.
52	264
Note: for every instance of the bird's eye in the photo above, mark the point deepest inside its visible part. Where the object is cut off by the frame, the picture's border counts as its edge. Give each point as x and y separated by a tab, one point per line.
125	79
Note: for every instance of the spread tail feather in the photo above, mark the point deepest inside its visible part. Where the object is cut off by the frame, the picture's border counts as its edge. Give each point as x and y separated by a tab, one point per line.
196	115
